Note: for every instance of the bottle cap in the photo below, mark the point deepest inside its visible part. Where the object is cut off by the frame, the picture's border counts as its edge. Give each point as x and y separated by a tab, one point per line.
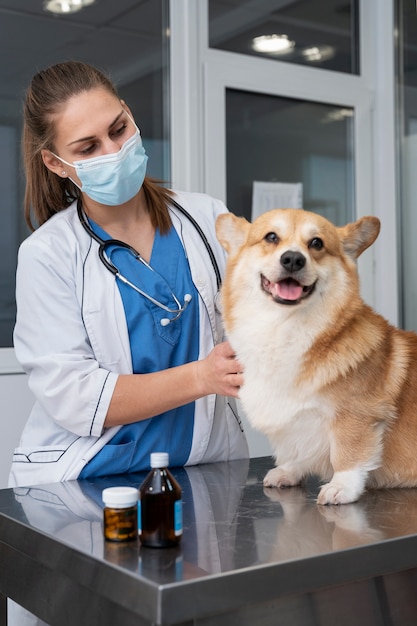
120	497
159	459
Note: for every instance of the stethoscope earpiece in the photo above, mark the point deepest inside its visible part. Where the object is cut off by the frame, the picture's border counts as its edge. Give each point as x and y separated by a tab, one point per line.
165	320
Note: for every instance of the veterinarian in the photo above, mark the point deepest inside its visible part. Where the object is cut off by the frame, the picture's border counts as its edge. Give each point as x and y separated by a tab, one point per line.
123	351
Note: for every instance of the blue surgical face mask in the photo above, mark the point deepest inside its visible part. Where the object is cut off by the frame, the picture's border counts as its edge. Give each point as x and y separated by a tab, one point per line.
113	179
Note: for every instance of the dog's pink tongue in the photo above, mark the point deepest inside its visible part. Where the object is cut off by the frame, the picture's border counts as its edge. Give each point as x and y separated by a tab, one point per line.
289	289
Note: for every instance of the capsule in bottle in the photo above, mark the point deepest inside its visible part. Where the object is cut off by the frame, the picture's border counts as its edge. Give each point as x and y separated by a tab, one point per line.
120	513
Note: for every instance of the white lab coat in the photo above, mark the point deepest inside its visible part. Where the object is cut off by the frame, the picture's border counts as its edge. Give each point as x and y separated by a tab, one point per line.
71	338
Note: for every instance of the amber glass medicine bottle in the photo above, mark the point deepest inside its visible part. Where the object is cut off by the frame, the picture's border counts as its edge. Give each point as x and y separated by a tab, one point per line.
120	513
160	505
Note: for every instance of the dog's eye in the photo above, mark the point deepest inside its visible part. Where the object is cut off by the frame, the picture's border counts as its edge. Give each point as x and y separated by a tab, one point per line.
271	238
316	243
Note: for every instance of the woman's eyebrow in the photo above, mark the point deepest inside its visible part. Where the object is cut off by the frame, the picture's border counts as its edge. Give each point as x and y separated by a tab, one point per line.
93	136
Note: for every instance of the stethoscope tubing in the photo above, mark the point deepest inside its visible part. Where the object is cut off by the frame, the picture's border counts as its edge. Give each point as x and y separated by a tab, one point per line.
204	239
104	243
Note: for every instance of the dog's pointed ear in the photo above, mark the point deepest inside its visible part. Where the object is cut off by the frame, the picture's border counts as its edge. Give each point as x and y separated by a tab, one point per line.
231	231
359	235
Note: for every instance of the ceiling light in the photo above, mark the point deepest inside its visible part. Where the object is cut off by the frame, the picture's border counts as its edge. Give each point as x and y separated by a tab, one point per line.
272	44
338	115
65	6
318	53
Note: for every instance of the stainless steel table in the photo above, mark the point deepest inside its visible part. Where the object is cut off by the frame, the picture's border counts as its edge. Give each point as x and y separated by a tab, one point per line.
249	556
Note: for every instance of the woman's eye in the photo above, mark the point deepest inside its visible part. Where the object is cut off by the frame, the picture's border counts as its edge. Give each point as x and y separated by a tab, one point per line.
271	238
316	243
87	150
120	130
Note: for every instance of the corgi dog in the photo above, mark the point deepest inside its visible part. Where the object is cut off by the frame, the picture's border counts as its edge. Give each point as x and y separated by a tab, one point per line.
329	381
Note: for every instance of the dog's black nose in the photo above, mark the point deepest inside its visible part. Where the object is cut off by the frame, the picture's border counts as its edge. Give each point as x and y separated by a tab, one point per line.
292	261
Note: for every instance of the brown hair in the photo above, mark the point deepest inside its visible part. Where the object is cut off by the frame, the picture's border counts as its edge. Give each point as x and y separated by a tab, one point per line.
46	193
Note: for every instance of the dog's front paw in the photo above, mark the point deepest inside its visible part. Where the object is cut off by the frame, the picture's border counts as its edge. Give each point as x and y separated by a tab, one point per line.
279	477
345	487
334	493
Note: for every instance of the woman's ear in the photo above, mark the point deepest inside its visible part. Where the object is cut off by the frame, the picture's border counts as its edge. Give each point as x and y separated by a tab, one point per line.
53	163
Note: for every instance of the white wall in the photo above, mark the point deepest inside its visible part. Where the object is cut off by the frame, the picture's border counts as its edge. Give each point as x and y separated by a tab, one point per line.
17	401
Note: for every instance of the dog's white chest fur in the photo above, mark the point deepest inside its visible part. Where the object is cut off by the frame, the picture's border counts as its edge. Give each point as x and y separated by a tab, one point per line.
294	417
272	363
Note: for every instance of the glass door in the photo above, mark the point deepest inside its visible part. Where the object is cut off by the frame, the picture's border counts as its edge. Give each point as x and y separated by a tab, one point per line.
277	147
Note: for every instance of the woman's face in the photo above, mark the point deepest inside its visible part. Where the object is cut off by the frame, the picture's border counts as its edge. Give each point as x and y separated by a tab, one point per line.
91	124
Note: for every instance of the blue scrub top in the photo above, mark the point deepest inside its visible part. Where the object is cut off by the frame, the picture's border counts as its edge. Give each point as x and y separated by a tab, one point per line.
153	348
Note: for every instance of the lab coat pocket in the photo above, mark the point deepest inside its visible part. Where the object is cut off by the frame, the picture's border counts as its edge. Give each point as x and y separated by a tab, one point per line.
32	466
111	459
43	454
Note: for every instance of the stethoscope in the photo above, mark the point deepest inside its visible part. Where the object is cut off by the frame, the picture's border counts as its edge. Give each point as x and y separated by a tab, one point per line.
108	264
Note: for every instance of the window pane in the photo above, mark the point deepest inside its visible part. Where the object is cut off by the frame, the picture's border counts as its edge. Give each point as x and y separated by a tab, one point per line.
319	33
407	82
283	140
125	39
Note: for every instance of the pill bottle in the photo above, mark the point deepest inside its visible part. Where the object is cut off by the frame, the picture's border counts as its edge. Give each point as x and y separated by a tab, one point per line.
160	505
120	513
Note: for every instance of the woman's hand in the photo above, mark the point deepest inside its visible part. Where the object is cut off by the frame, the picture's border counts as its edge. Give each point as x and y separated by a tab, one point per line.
141	396
220	372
